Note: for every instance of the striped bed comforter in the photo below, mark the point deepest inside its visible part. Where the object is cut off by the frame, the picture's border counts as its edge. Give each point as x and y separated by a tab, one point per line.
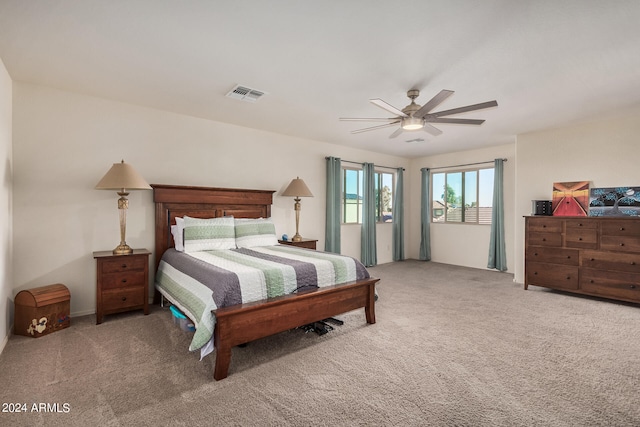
200	282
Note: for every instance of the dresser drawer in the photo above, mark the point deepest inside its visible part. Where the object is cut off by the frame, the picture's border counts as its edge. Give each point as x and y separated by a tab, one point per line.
630	227
545	239
553	255
585	238
122	299
544	225
124	263
620	243
581	224
610	261
611	284
552	275
122	280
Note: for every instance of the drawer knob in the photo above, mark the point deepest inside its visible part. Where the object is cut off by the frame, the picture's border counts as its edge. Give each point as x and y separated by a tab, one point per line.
580	225
123	266
621	228
535	273
568	277
580	238
621	244
593	259
568	256
124	298
544	226
633	263
544	239
632	286
124	280
535	254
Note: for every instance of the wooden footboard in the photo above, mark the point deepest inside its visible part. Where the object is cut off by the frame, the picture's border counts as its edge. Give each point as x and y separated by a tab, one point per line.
247	322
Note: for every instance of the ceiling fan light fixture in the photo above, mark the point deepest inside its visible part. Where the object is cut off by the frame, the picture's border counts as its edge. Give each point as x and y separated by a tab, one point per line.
412	123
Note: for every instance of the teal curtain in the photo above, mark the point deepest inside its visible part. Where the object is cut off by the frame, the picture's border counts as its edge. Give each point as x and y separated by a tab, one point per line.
332	222
425	215
497	251
398	217
368	253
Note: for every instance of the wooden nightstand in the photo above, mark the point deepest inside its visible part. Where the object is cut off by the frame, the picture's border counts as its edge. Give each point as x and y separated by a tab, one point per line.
122	282
305	243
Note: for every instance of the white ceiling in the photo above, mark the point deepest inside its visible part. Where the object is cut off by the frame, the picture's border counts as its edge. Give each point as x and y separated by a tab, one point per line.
547	63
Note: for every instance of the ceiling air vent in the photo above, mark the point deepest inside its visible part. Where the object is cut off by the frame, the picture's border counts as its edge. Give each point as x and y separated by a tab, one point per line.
244	93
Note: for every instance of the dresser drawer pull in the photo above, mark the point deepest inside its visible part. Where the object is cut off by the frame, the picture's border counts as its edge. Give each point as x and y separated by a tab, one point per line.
621	244
621	228
592	259
544	226
580	225
535	254
633	263
632	286
591	281
580	239
124	280
568	277
123	266
124	298
568	256
544	239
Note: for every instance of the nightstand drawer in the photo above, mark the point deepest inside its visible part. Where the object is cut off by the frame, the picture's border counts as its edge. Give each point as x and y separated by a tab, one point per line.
124	263
123	280
121	299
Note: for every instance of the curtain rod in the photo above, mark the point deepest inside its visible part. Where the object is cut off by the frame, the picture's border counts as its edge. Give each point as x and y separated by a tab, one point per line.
361	163
466	164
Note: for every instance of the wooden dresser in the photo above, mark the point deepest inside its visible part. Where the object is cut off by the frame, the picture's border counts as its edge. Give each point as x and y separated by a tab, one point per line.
597	256
122	282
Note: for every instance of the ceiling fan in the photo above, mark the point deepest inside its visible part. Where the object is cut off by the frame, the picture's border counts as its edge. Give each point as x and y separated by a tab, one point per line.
416	117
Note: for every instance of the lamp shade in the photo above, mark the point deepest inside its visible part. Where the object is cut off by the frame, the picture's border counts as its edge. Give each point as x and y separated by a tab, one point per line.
297	188
121	177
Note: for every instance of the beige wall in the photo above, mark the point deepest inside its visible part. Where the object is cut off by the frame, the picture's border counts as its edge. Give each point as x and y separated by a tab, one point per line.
604	152
6	279
463	244
65	142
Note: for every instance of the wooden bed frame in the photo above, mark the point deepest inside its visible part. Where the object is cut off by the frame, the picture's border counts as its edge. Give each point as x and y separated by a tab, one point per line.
242	323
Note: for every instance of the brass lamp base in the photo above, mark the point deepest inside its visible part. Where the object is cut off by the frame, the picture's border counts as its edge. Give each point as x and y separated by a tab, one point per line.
296	238
122	249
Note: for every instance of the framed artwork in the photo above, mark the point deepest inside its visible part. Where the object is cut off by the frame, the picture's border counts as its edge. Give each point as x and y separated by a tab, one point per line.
614	201
570	198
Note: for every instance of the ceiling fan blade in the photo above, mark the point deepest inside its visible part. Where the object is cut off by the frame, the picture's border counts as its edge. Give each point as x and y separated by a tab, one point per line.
371	119
433	103
454	121
375	127
473	107
431	129
390	108
396	132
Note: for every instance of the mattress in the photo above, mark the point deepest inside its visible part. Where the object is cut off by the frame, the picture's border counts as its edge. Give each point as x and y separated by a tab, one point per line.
200	282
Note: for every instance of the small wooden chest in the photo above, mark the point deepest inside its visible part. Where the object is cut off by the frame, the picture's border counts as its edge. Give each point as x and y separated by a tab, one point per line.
41	311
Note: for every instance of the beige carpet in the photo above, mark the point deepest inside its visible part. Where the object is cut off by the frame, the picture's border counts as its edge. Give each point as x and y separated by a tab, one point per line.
452	347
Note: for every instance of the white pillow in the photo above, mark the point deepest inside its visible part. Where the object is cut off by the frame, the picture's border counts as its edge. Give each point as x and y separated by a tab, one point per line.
208	234
255	232
178	234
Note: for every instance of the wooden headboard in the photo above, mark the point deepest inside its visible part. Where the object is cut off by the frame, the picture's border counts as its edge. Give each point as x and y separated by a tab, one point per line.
203	202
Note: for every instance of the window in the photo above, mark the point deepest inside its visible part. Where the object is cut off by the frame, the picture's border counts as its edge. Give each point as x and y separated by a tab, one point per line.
463	196
352	190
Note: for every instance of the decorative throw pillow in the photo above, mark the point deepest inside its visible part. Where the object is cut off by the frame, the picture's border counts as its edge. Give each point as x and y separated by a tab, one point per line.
255	232
178	234
208	234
